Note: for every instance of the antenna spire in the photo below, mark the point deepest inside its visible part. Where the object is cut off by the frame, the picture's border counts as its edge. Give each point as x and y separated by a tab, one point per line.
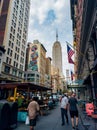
56	35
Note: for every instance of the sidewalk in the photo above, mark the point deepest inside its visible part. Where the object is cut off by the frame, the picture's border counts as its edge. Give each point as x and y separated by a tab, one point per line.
53	122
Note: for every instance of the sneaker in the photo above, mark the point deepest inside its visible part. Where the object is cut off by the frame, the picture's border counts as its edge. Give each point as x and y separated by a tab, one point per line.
67	122
77	127
73	128
62	124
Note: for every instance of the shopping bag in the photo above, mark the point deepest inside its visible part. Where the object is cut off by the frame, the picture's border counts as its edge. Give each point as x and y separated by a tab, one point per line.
27	120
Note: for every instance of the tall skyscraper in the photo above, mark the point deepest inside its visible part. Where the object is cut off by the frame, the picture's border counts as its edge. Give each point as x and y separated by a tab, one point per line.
57	55
14	18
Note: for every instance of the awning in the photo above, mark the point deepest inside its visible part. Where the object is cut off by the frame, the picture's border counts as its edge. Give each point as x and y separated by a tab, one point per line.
77	86
24	86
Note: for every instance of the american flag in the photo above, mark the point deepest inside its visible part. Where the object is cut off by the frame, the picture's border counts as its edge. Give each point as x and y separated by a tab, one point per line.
70	53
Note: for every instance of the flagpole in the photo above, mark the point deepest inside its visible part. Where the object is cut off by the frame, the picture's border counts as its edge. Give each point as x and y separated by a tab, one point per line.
69	44
76	50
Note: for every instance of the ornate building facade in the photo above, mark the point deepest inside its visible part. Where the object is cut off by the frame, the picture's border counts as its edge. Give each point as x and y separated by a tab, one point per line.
84	17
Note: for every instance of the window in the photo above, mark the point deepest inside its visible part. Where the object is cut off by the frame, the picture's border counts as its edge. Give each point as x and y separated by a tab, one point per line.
9	43
10	61
24	75
31	79
12	45
31	75
11	53
20	74
0	54
10	36
14	72
7	60
7	69
15	55
37	75
21	67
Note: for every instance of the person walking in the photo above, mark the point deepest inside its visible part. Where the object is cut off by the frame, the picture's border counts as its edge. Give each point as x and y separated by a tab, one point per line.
73	108
64	108
33	108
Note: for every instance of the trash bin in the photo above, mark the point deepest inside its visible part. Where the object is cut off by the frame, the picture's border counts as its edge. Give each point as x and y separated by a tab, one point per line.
13	116
4	115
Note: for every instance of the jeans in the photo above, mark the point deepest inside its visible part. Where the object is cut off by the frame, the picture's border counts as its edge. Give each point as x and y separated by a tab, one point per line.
64	112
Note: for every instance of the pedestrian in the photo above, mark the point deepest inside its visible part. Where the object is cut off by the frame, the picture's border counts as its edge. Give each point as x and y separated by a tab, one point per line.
64	108
73	108
33	108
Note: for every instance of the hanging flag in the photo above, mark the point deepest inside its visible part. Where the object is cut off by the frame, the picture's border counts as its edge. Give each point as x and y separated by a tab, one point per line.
70	53
71	75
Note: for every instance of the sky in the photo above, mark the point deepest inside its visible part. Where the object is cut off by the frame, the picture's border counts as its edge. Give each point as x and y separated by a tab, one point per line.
47	16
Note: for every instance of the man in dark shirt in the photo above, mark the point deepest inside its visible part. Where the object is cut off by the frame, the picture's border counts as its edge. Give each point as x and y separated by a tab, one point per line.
73	110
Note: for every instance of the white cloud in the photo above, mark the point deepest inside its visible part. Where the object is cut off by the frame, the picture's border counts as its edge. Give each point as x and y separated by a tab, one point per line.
46	32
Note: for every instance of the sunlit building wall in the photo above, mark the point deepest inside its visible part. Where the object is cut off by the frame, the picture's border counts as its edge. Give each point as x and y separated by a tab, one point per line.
48	72
14	18
55	78
36	60
57	56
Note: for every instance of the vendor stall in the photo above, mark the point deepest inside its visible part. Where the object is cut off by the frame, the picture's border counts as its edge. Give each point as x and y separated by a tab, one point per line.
20	93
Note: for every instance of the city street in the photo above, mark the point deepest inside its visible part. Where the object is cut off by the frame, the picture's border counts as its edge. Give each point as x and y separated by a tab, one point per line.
48	49
52	121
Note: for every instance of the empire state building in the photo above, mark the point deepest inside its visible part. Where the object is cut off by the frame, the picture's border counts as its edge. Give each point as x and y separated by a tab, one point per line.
57	55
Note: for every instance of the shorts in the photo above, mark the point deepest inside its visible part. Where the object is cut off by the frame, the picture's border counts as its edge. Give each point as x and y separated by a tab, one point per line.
33	122
73	114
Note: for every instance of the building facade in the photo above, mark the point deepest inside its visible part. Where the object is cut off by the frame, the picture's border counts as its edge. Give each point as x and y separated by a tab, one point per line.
57	56
38	63
14	18
55	79
58	79
85	22
2	51
48	72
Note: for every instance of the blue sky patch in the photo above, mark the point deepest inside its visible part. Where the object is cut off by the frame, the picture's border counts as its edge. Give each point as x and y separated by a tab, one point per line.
50	17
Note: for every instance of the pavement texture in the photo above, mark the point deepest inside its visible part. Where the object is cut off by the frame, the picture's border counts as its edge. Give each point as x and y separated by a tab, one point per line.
52	121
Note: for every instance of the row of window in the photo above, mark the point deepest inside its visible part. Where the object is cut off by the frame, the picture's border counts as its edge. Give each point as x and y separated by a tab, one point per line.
12	37
32	80
16	56
12	30
11	44
15	72
15	64
31	75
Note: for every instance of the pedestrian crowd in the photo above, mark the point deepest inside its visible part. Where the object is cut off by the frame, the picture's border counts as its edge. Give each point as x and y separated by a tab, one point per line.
67	104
